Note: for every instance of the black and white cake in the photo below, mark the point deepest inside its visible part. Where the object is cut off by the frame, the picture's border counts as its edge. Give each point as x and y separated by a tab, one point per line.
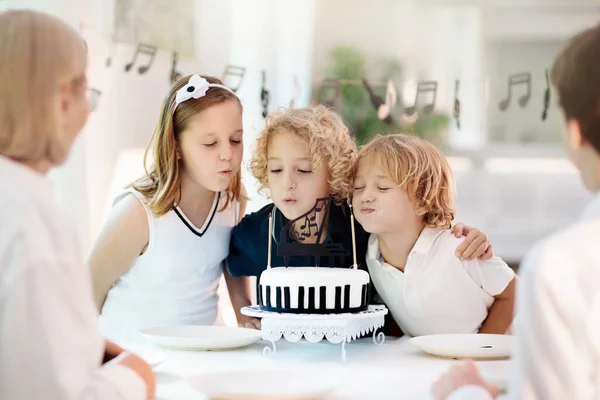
313	290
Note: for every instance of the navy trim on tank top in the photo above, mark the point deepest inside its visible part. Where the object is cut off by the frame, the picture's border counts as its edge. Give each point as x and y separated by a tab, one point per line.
190	227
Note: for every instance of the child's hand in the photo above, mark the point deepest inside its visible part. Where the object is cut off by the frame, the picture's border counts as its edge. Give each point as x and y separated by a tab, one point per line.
459	376
249	322
475	245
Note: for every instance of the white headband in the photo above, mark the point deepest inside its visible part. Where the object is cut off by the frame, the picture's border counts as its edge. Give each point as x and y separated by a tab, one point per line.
196	88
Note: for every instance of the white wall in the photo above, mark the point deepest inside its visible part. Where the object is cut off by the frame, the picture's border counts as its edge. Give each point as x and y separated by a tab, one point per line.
468	40
542	21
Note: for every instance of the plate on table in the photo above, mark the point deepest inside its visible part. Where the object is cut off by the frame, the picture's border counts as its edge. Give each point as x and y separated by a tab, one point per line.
201	337
263	385
475	346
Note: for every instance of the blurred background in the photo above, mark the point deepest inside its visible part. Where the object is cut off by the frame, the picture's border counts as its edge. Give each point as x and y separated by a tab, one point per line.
468	75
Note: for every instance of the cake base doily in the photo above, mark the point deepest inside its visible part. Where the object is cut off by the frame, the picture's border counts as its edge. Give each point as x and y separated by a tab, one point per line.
336	328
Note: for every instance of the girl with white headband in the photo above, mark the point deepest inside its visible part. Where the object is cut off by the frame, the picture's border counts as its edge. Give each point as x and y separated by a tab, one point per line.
158	259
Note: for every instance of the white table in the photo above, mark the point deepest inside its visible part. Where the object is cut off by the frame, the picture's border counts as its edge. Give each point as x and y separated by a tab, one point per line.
395	369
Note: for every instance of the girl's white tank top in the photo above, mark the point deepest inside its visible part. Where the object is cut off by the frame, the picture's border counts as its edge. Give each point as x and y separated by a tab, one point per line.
175	281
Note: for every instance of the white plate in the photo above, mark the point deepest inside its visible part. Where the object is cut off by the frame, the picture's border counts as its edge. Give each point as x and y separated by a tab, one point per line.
263	385
476	346
201	337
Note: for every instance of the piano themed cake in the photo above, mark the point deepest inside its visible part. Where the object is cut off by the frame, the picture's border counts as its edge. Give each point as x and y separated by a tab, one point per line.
312	289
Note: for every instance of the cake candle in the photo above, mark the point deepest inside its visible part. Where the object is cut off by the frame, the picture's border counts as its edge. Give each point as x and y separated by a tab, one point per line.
269	234
353	235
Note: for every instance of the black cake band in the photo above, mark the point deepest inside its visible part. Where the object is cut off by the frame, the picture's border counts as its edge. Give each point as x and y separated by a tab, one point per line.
283	300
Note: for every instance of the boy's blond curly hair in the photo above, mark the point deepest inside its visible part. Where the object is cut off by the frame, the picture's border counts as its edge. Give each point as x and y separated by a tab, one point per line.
329	143
420	169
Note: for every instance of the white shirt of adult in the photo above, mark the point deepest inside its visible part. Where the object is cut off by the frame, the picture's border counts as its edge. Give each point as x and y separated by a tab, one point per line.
437	293
50	344
558	329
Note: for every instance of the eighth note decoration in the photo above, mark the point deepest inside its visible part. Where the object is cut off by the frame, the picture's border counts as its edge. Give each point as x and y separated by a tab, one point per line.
376	101
93	96
144	49
264	95
112	43
523	78
423	87
456	112
297	92
235	72
391	97
329	84
546	98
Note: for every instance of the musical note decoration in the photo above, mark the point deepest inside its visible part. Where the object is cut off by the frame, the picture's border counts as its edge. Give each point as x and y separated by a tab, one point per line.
264	95
456	112
328	85
93	96
376	100
426	108
391	97
174	75
111	50
523	78
146	50
297	92
546	98
233	76
307	236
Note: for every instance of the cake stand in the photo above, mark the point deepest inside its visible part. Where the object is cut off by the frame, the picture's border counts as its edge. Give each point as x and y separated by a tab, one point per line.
336	328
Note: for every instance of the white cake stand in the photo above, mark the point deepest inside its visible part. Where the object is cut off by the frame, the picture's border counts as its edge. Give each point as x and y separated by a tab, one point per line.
337	328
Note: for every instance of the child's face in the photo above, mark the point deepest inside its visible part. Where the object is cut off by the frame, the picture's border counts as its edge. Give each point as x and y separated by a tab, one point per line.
211	146
380	205
293	184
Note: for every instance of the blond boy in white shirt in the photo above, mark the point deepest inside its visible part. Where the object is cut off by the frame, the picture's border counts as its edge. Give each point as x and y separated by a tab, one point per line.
403	196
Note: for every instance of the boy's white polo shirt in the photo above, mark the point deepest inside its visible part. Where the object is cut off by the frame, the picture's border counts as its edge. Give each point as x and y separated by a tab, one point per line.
437	292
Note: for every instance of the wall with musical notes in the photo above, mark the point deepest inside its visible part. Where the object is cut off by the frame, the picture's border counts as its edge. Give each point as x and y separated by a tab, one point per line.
235	40
516	110
484	67
460	44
